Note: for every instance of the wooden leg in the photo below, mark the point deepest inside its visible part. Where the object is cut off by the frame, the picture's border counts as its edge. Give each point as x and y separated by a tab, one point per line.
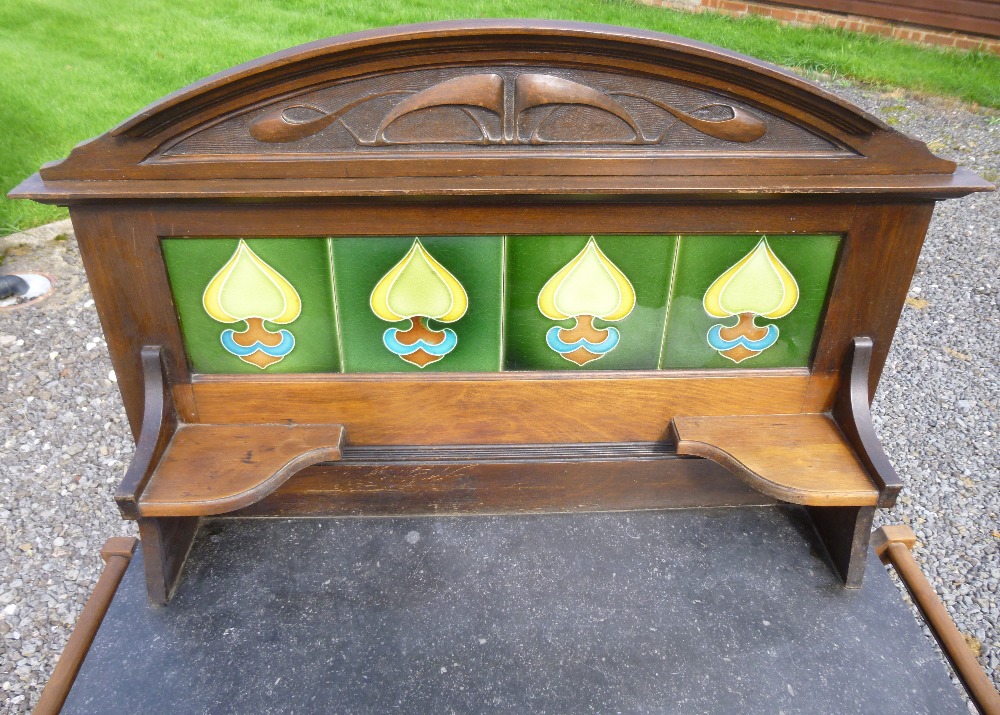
845	532
166	542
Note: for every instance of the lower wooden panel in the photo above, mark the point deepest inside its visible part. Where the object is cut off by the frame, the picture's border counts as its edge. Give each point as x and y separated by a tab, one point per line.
503	408
345	489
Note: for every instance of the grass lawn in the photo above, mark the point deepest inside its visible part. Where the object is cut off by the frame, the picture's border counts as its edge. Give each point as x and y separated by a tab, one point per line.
74	68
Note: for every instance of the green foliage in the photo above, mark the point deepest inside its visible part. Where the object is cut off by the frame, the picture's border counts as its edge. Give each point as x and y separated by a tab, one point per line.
73	68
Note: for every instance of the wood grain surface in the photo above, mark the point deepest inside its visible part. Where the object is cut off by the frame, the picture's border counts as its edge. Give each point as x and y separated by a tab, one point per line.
418	486
498	409
803	459
210	469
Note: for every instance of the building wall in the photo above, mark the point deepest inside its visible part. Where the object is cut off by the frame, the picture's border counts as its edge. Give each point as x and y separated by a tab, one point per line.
868	23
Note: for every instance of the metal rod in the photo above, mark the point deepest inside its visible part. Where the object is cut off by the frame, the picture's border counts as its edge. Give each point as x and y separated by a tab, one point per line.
117	553
895	550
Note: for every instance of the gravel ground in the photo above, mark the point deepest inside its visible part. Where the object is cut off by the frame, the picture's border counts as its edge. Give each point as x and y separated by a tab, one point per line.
64	440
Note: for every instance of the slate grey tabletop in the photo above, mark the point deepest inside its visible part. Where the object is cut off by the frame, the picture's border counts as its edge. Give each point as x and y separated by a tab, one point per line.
686	611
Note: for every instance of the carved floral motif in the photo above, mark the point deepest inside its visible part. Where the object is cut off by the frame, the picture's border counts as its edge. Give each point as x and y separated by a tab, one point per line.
480	95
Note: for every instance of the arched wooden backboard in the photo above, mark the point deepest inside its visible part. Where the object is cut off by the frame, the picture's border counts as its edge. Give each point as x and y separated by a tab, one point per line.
501	158
499	266
496	100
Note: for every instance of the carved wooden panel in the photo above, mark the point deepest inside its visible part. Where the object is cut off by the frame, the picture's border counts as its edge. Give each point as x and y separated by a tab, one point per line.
502	108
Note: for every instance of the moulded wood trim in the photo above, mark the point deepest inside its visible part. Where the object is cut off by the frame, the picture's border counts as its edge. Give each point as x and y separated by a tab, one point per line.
584	188
484	36
540	376
488	216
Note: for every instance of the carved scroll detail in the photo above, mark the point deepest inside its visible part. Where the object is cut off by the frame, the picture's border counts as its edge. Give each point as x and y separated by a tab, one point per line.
477	93
538	90
477	90
277	126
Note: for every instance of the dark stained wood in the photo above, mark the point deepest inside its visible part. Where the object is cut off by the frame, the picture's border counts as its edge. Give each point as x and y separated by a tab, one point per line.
492	215
129	283
418	486
845	532
453	50
769	453
443	42
499	127
866	245
877	261
852	412
802	459
211	469
117	553
495	105
684	187
159	423
166	542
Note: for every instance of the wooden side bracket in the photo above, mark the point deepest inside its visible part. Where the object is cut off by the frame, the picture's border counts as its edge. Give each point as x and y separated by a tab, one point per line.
181	472
832	463
852	412
159	422
813	459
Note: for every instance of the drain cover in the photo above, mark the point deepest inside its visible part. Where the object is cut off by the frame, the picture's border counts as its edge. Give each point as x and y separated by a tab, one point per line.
40	286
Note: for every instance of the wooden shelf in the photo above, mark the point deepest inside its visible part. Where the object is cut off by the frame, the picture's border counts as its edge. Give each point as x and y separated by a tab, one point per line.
213	469
802	459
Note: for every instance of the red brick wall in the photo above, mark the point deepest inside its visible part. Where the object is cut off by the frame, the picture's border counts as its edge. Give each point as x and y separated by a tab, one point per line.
853	23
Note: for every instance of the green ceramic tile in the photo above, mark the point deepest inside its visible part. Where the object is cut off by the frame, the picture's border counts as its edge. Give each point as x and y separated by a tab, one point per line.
570	275
764	290
453	285
273	290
